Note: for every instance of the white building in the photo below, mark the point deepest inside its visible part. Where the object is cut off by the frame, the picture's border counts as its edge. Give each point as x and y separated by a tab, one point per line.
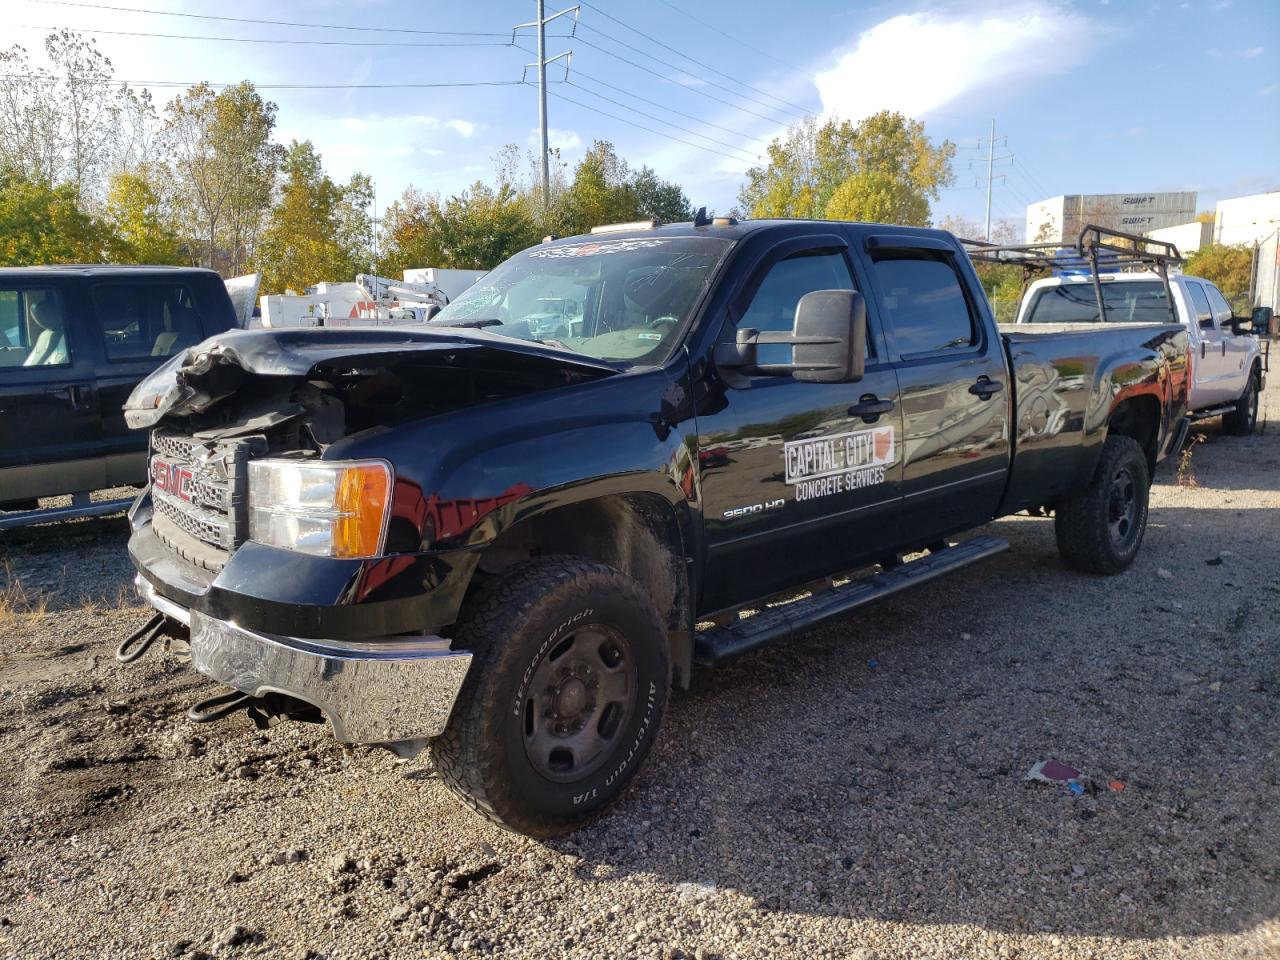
1187	237
1060	219
1247	219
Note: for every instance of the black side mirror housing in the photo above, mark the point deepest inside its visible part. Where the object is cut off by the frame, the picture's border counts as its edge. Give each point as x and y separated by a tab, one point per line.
828	341
1241	326
1262	320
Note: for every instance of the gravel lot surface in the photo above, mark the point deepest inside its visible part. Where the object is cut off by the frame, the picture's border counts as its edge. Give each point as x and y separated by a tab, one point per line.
801	802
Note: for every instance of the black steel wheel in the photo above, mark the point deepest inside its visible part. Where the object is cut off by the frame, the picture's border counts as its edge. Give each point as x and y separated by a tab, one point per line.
578	703
566	691
1100	528
1122	507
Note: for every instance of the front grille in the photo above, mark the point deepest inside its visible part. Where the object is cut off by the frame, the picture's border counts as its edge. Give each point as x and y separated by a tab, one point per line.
199	491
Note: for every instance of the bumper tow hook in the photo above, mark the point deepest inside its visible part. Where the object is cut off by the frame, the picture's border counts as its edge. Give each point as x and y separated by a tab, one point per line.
140	641
223	705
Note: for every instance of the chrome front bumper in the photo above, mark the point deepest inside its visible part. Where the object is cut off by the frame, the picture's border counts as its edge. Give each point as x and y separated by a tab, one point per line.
385	691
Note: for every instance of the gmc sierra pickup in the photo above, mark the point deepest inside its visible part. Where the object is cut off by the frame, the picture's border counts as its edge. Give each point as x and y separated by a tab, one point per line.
497	535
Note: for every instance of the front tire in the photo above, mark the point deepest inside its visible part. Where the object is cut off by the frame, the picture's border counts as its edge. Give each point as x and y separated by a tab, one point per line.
1240	421
567	688
1100	529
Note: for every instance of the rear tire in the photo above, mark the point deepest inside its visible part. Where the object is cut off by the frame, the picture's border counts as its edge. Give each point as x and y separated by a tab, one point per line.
1100	529
1240	421
566	691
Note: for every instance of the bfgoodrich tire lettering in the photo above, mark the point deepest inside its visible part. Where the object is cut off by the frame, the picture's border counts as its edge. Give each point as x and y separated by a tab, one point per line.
564	698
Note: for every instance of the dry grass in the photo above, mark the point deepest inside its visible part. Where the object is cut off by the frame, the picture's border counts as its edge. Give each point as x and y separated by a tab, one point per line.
15	603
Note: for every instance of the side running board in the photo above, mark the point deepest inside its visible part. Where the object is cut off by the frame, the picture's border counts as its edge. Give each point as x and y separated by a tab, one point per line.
777	623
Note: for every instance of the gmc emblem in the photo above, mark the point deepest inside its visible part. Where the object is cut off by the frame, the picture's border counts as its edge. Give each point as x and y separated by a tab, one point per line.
172	478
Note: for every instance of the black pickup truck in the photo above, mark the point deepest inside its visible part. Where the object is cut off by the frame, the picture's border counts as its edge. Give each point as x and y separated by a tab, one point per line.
74	342
498	537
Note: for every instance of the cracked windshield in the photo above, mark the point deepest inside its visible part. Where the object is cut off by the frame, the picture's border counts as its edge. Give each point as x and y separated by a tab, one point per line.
622	300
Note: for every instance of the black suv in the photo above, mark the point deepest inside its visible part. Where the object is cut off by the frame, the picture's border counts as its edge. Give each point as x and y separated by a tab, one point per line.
74	341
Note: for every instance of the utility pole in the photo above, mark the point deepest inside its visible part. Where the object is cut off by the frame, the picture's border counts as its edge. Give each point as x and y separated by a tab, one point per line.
541	64
991	176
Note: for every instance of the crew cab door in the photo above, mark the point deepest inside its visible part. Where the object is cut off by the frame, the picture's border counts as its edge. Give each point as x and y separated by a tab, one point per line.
953	379
50	429
1210	376
798	480
1237	351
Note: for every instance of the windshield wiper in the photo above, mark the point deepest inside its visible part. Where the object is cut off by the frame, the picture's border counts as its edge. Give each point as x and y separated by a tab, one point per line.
472	324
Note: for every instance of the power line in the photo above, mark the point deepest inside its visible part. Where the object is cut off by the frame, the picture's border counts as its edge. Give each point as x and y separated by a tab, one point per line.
662	106
47	78
639	126
727	36
679	53
276	23
323	43
673	66
663	76
578	72
619	103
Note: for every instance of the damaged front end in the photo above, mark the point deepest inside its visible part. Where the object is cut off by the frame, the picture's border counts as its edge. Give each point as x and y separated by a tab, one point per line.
303	576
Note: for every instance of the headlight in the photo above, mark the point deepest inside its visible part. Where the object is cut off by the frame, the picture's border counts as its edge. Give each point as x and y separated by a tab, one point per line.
327	509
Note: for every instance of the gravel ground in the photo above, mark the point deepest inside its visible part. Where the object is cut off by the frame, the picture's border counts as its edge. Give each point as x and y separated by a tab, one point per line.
856	793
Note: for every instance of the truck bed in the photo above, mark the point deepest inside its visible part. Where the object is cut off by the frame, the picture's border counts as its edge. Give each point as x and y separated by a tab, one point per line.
1067	379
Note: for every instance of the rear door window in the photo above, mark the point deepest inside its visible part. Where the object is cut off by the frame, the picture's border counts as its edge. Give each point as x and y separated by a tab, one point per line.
139	320
1221	309
33	328
924	302
1203	311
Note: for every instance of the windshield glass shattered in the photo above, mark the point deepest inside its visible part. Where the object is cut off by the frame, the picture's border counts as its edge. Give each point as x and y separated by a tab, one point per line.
619	300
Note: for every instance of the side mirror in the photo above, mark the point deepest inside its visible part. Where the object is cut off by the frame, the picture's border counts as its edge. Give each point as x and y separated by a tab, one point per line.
828	341
1241	326
1262	320
830	337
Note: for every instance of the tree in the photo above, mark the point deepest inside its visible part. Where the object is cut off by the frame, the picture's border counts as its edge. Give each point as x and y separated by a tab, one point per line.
1230	268
58	125
142	225
476	229
225	164
40	223
883	168
664	201
317	230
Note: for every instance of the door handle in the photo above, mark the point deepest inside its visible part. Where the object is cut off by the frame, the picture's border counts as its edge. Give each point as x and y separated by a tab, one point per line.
1202	348
869	407
986	388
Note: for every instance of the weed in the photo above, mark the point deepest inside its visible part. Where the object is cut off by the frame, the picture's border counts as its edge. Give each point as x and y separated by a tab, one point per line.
1187	472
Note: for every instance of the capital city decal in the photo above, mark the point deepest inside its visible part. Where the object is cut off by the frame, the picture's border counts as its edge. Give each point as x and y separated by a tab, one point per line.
823	466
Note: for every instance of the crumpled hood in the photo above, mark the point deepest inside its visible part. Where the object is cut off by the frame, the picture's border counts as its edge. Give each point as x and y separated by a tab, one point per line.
196	379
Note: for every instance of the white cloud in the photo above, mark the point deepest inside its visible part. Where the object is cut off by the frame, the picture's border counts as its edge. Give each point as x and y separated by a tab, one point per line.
965	52
557	139
403	124
464	127
1269	89
1251	53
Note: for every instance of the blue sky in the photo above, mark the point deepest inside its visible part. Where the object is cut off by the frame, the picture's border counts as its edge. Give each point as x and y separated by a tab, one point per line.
1093	96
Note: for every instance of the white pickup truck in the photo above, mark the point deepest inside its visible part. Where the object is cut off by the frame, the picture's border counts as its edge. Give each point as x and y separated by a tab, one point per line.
1227	362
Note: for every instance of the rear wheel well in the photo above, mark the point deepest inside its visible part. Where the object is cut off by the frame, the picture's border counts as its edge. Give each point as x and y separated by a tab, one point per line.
637	534
1138	418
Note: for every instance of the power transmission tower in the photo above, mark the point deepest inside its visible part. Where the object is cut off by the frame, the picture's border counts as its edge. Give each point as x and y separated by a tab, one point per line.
541	64
991	176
